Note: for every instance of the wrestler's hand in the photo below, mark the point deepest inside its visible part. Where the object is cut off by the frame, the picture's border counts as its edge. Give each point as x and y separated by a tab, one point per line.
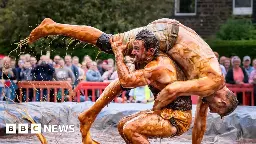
163	99
117	44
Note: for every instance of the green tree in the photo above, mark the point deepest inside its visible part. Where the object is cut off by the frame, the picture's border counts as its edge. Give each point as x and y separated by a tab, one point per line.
237	29
19	17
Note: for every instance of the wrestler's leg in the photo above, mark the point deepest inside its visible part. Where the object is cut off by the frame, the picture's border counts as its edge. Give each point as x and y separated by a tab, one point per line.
126	119
49	27
146	125
87	117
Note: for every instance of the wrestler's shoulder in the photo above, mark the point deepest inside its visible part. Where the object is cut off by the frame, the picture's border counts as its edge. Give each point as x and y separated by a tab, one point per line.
160	63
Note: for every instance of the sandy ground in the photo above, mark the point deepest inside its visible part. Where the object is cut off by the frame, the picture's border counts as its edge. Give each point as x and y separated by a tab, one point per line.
108	135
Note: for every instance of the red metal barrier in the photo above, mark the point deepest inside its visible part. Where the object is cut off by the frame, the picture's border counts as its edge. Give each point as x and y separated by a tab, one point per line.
83	87
246	90
35	85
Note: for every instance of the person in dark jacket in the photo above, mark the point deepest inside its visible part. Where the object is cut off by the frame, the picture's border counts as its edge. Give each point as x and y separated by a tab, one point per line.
73	68
42	72
237	75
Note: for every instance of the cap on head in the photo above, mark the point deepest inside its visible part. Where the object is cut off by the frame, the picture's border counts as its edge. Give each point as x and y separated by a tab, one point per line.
247	58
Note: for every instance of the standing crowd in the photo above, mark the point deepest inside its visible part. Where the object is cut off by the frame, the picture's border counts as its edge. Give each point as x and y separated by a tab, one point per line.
28	68
237	71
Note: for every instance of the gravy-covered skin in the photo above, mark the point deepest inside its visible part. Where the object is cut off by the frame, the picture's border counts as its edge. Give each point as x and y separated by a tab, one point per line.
182	45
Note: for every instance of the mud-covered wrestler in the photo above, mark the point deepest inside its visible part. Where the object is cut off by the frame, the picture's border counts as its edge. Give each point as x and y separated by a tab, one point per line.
182	45
157	70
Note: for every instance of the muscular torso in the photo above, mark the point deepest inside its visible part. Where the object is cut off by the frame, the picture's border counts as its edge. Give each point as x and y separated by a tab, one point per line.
194	55
163	72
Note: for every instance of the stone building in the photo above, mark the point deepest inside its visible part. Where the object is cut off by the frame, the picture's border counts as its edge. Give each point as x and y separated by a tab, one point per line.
206	16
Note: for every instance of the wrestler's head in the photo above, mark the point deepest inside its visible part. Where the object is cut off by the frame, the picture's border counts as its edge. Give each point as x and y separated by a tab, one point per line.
145	46
222	102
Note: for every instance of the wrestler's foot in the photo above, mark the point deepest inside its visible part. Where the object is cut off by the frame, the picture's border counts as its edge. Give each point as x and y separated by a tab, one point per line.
86	119
86	136
41	30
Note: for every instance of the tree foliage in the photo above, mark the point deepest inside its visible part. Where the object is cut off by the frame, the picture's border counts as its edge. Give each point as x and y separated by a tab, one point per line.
237	29
19	17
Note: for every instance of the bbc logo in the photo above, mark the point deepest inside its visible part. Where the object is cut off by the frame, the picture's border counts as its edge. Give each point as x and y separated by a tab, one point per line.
22	128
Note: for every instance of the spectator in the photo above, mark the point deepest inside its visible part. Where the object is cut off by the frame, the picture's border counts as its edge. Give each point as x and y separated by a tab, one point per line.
8	78
88	64
93	73
104	66
72	67
87	59
22	57
141	94
33	62
75	62
227	64
27	57
56	61
129	63
63	73
42	72
19	68
252	78
107	74
222	60
84	67
99	65
236	75
111	62
247	65
25	74
113	77
13	63
223	70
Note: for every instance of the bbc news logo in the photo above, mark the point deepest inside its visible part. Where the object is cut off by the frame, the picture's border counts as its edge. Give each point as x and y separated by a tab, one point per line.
37	128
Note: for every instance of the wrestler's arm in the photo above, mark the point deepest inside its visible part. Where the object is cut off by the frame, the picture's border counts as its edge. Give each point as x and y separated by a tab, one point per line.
204	86
200	122
129	79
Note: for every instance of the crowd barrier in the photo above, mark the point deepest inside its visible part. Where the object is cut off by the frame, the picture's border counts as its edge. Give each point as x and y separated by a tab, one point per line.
96	88
42	85
246	90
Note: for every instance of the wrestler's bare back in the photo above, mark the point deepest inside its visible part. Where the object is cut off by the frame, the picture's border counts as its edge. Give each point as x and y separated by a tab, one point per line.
194	55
